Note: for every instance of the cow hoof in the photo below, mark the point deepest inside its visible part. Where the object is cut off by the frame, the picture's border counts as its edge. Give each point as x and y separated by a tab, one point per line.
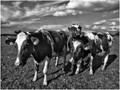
76	72
34	80
91	73
103	69
45	84
56	65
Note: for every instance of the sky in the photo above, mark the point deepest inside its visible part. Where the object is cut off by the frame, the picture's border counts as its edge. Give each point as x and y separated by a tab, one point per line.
58	12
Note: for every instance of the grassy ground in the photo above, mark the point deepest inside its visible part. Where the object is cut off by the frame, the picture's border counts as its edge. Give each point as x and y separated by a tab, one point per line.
21	77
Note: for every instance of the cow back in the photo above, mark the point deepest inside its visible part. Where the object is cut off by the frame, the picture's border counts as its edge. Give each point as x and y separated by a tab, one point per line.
59	39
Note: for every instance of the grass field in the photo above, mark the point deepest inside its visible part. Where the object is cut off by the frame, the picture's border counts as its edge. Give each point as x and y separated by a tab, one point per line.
21	77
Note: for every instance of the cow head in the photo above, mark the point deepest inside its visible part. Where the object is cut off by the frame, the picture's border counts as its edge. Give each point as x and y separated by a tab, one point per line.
25	47
75	29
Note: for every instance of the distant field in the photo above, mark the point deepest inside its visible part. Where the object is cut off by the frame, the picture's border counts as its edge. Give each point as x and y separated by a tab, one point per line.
21	78
11	29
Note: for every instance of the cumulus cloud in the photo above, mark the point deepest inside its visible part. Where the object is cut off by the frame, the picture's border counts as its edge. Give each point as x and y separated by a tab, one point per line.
39	10
14	11
67	12
60	13
92	4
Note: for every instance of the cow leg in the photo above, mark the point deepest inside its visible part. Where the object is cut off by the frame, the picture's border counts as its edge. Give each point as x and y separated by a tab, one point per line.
45	73
78	66
64	56
72	66
68	42
45	69
36	65
91	65
57	60
105	62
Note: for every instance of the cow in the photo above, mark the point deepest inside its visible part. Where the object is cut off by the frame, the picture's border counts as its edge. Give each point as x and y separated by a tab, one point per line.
39	45
74	30
10	40
78	54
95	43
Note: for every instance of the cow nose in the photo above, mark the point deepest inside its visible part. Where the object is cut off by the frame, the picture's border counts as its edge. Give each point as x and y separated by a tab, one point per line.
17	62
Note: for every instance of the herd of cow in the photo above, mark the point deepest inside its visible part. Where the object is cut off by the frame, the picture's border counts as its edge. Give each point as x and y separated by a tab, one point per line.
46	44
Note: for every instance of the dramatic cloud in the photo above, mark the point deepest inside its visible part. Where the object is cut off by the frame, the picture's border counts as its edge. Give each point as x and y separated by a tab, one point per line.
95	5
24	10
67	12
9	13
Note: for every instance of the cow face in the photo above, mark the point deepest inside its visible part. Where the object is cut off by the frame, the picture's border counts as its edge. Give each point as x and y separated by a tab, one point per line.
75	29
25	48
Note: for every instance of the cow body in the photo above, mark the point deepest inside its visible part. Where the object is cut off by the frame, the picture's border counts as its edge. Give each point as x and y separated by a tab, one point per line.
38	44
92	43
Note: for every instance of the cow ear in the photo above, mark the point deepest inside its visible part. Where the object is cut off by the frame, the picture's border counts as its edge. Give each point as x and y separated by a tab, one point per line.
68	28
34	40
80	27
17	32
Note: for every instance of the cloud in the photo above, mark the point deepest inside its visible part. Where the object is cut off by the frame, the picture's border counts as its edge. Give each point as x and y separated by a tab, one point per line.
17	14
19	10
100	22
67	12
115	11
94	5
5	13
60	13
17	4
50	26
43	10
9	13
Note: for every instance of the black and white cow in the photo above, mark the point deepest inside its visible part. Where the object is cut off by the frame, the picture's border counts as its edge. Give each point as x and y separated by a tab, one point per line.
38	44
10	40
78	53
93	42
74	30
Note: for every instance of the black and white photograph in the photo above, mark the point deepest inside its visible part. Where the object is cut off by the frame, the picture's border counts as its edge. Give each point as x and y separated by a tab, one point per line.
59	44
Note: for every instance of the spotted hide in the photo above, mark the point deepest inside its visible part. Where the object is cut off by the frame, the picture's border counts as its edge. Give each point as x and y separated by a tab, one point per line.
39	45
90	44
